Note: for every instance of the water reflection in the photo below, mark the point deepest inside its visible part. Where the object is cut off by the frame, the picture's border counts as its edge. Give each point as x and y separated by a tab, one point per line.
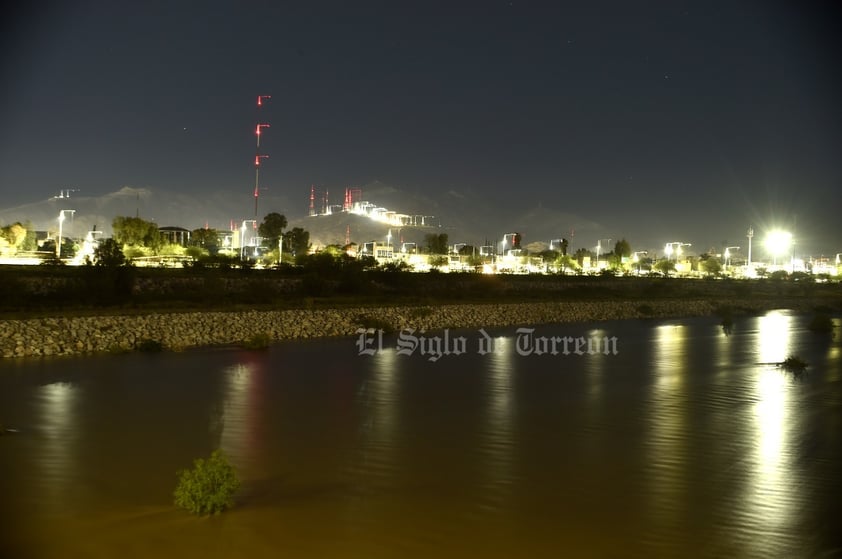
773	338
497	437
238	424
667	440
58	421
772	485
595	366
378	398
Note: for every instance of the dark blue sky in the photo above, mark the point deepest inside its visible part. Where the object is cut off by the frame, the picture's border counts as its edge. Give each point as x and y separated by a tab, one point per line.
674	120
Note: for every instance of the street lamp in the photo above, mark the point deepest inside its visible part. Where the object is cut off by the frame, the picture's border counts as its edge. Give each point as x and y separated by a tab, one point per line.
669	250
60	223
749	234
599	249
727	255
636	258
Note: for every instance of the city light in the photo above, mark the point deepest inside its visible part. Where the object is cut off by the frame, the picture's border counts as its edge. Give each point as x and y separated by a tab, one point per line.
675	247
778	243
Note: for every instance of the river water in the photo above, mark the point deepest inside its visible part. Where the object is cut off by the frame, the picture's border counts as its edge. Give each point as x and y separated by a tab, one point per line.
685	443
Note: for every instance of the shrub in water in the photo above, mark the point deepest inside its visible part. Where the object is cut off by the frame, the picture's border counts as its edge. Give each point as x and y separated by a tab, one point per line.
209	487
793	364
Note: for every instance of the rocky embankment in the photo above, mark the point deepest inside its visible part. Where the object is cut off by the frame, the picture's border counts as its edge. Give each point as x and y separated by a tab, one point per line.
176	331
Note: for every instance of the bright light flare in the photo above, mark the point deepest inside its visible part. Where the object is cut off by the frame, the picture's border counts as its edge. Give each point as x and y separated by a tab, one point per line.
259	126
777	242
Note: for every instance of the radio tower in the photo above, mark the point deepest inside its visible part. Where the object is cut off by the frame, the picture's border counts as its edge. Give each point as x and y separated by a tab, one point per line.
261	99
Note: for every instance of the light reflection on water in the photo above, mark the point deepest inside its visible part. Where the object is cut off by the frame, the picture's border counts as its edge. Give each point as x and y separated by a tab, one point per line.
58	424
667	455
687	443
497	432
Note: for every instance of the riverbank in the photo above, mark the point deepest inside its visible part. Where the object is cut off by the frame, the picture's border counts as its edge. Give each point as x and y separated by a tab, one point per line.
53	336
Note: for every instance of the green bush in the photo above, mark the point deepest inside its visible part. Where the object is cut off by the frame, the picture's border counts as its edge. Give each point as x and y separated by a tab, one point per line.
209	487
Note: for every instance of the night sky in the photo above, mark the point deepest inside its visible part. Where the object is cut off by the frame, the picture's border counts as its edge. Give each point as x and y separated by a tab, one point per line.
667	120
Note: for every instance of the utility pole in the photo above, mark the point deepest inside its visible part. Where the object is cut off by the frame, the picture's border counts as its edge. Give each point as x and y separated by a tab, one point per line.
749	234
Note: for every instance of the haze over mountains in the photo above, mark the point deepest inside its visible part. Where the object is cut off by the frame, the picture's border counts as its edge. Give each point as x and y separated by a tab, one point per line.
464	216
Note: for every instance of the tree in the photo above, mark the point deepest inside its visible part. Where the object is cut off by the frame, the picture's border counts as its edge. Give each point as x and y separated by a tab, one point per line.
566	262
109	254
564	244
438	260
205	237
14	234
711	266
297	241
622	248
665	266
581	254
436	244
30	243
272	228
134	231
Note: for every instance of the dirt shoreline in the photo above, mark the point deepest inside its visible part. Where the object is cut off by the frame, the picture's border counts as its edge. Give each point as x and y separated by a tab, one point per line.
38	337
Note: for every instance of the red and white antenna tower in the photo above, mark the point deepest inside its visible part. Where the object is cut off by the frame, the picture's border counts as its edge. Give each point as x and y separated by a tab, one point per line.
261	99
312	199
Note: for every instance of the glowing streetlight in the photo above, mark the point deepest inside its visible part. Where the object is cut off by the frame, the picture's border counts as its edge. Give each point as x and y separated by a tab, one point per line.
60	223
727	255
677	250
778	243
636	258
599	248
749	234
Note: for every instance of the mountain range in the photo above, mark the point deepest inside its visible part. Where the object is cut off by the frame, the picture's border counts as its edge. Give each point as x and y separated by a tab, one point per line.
465	216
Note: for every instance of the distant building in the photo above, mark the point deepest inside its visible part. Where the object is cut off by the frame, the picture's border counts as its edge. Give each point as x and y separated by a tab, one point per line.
175	235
